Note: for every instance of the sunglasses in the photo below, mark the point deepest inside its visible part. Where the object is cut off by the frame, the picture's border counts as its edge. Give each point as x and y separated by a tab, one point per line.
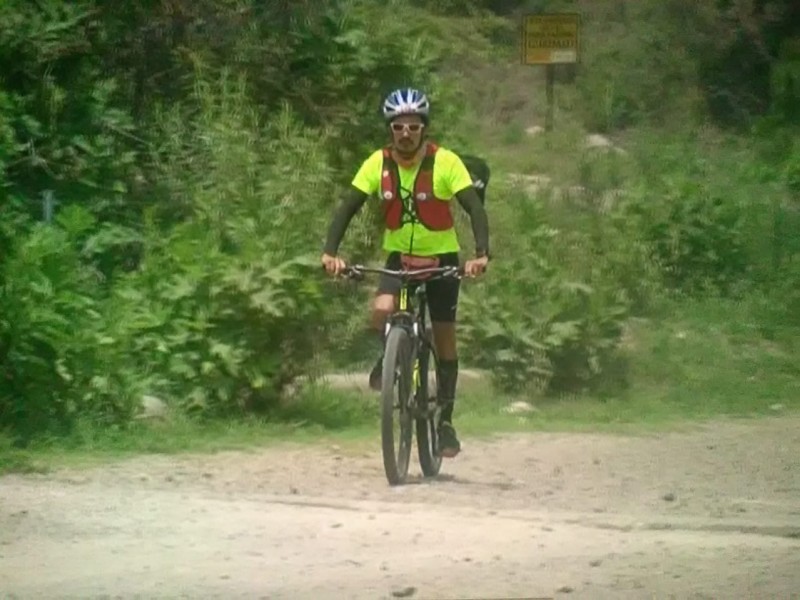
412	127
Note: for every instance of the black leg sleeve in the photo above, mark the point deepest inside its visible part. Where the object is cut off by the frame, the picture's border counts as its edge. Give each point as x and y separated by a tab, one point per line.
446	378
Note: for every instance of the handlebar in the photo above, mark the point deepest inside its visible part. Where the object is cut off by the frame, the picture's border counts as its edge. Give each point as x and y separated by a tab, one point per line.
359	271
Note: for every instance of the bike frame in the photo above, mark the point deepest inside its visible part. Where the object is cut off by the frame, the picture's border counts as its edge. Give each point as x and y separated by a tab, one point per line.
410	311
413	313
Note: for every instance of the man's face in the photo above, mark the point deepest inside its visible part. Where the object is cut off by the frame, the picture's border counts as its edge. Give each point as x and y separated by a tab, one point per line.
407	132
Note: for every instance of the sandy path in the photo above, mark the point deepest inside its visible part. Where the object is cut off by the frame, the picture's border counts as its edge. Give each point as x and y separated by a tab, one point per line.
710	513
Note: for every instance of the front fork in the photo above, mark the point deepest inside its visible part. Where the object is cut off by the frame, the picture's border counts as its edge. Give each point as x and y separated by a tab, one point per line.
425	408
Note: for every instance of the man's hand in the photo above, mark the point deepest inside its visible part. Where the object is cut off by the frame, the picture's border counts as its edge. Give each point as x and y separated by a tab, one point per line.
475	266
333	264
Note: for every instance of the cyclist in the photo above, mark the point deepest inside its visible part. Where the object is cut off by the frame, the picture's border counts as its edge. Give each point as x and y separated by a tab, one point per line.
415	181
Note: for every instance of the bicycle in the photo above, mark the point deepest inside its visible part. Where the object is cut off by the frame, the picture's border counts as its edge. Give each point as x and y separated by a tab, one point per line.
408	357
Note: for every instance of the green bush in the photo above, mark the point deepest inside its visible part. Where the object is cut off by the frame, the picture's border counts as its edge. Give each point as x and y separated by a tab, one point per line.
57	366
219	334
545	318
226	306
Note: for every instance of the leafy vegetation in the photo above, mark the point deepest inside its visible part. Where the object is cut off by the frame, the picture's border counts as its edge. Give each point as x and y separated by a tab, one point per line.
194	152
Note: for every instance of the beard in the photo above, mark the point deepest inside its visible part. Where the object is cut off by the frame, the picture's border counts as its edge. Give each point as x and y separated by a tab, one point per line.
407	148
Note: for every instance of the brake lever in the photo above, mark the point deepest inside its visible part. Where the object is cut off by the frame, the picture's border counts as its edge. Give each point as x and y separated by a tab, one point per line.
354	273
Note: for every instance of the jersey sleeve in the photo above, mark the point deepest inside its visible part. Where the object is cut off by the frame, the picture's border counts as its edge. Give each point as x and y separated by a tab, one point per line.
368	177
457	177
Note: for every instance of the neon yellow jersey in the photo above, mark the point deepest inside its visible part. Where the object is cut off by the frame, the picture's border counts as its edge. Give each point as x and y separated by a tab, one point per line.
450	176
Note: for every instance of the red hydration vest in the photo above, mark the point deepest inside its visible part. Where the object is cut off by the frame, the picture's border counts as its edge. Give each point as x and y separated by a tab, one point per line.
432	212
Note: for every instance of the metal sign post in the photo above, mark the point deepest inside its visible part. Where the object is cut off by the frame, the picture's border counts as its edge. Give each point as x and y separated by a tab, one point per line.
549	40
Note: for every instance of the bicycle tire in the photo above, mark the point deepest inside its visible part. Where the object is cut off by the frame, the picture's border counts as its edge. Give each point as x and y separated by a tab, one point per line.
430	460
396	360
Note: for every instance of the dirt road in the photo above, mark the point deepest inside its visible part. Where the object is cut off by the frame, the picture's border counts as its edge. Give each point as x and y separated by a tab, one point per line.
710	513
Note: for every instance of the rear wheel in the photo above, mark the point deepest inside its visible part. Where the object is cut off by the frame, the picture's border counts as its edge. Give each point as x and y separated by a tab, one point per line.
430	460
396	398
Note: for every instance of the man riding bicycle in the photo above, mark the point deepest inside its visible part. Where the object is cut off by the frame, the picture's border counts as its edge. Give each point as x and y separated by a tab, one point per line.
415	181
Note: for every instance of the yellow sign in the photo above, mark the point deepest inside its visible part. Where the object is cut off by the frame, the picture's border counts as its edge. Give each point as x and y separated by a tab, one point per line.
550	39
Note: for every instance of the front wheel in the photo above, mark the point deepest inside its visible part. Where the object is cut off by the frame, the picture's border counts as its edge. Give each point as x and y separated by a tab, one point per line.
396	398
430	459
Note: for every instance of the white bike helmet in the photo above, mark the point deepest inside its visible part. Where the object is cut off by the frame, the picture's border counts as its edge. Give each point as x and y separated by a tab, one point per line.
406	101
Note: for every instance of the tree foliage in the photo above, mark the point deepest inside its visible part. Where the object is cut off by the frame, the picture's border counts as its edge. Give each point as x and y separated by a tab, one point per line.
195	150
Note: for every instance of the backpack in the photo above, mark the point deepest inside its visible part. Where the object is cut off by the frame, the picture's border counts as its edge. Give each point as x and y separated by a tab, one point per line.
479	171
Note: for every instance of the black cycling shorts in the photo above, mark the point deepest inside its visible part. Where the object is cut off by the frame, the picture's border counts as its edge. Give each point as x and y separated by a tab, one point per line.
442	293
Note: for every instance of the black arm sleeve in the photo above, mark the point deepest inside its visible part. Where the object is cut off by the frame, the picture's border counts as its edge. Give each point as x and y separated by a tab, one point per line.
352	201
468	198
